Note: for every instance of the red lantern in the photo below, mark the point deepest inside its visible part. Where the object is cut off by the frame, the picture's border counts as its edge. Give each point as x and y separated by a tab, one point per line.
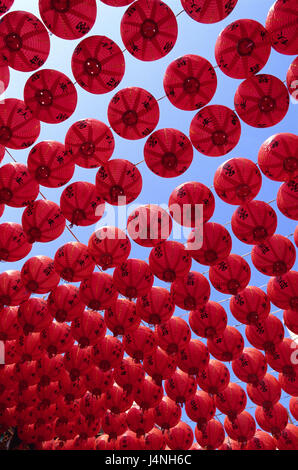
48	370
290	318
43	221
214	377
24	375
266	392
212	247
29	347
200	408
90	143
293	405
275	256
169	261
242	48
159	365
122	317
25	42
283	357
133	278
185	200
117	3
65	304
191	291
39	275
272	420
180	387
156	307
56	338
128	441
282	290
173	335
117	400
289	383
88	328
292	77
133	113
9	326
237	181
140	421
12	290
109	247
277	157
281	24
254	222
261	441
288	439
19	129
81	204
139	343
262	100
17	187
228	346
208	321
71	389
5	79
119	182
296	236
107	353
167	414
265	335
251	366
114	425
193	357
180	437
208	12
68	20
103	442
129	374
97	381
149	225
13	242
6	5
33	315
287	199
242	428
153	440
190	82
212	436
51	96
231	275
251	305
98	64
98	291
215	130
148	394
149	30
168	153
73	262
77	361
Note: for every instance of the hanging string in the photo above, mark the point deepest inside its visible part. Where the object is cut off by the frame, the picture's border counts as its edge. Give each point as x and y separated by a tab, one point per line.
179	13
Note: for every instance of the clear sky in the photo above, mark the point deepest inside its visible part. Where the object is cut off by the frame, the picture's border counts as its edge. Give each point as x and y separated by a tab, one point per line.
194	38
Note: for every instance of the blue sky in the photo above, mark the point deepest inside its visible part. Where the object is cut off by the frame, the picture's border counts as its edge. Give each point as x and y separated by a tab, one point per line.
193	38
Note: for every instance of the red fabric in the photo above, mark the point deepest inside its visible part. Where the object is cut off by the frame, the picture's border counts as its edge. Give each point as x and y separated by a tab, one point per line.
173	335
208	11
180	387
119	182
51	96
98	64
262	101
98	291
272	420
56	338
43	221
129	374
73	262
237	181
133	278
214	378
292	78
122	317
288	439
282	290
148	394
156	307
167	413
183	200
50	164
277	157
180	437
243	48
9	330
139	421
149	30
39	275
216	244
133	113
77	361
65	304
209	320
68	20
281	23
98	382
19	128
81	204
17	187
14	244
12	290
88	328
231	275
242	429
140	343
266	392
215	130
191	291
90	143
275	256
212	436
251	305
128	441
200	408
290	318
253	223
5	6
107	353
251	366
265	335
149	225
117	3
5	78
193	357
261	441
190	82
169	261
24	41
287	199
153	440
228	346
109	247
